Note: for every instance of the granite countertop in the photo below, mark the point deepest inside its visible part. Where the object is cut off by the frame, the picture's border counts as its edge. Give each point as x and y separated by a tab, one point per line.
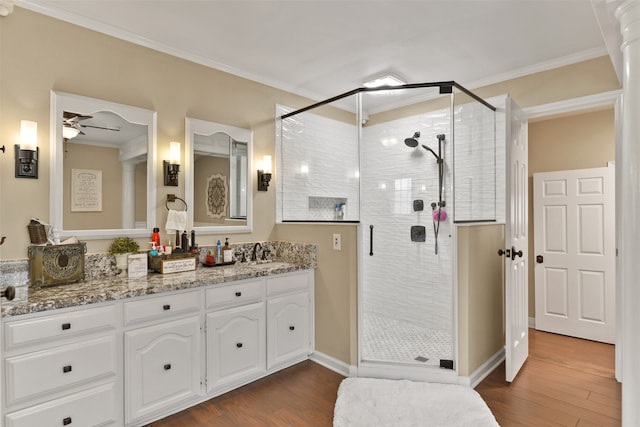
115	287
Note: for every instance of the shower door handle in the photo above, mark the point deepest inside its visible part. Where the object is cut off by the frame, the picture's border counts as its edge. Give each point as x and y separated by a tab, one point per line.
371	240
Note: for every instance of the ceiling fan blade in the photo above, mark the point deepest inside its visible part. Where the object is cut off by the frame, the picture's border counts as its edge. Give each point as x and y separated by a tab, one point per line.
68	115
100	127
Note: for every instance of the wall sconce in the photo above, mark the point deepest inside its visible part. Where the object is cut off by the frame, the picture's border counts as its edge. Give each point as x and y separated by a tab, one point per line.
264	174
26	153
172	166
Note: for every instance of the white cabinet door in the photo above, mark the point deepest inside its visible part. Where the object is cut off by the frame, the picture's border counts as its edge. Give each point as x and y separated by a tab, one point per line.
235	345
162	366
288	328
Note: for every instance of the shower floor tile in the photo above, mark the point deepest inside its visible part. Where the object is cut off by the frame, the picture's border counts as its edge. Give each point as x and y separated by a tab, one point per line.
391	340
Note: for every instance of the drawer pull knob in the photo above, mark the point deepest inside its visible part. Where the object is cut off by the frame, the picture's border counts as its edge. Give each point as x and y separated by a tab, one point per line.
66	421
167	366
238	294
239	345
166	307
66	369
66	326
291	328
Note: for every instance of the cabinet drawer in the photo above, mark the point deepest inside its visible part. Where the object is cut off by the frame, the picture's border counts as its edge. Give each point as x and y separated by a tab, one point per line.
161	307
283	284
58	326
95	407
42	372
235	294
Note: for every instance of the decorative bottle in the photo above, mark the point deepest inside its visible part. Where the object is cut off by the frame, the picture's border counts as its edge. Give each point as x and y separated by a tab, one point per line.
227	254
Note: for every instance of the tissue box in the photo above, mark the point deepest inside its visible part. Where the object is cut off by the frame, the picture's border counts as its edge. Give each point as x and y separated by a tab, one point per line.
56	264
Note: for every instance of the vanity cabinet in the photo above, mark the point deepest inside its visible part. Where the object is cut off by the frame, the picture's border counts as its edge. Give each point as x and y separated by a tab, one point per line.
289	320
162	360
130	362
236	334
236	345
58	368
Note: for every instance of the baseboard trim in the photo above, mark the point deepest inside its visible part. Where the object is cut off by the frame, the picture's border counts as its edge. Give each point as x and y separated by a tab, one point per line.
486	368
334	364
532	322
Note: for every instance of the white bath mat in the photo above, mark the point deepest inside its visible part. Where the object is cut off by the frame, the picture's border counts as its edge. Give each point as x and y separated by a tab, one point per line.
375	402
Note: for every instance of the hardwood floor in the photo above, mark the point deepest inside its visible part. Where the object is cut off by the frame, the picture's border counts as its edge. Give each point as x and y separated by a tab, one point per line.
565	382
302	395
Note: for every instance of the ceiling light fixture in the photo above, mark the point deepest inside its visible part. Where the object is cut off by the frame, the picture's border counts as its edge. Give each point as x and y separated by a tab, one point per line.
387	80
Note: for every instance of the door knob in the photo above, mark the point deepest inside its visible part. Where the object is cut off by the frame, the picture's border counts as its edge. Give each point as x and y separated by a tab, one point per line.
539	259
514	253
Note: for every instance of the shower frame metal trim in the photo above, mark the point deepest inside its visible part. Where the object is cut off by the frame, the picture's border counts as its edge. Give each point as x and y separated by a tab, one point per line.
445	88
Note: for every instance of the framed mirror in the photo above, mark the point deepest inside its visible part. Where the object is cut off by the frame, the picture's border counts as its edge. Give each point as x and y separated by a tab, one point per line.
103	168
218	187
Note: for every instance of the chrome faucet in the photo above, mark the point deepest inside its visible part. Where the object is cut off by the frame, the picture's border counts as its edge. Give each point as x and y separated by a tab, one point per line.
254	256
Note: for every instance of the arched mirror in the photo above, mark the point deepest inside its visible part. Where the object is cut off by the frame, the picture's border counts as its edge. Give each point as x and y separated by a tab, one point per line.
218	182
103	160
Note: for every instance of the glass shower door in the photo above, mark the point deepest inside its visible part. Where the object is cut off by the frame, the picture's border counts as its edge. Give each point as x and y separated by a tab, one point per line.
406	288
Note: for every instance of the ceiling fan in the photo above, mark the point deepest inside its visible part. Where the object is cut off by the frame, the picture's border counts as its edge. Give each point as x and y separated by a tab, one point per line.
71	126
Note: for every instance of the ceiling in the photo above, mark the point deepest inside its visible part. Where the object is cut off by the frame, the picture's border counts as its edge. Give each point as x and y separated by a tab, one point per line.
322	48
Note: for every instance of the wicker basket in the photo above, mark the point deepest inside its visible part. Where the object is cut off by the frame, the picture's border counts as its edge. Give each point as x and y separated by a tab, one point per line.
37	233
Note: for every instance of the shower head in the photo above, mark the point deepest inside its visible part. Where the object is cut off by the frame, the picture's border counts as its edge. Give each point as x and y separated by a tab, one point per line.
413	141
438	158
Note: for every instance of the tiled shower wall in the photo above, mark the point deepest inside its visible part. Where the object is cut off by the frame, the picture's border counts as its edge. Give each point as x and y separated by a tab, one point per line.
475	163
406	280
317	167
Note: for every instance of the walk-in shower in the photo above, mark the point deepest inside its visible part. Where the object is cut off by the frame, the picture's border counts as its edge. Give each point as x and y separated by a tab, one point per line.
328	155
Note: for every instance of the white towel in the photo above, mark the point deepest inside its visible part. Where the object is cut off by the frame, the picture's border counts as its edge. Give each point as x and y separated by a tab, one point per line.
176	221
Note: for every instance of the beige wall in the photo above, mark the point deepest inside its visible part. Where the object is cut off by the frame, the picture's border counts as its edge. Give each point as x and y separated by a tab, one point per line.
36	58
577	141
480	296
105	160
336	302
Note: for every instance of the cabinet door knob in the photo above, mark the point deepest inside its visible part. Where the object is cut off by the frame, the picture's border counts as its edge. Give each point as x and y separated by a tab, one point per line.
66	326
66	421
167	366
239	345
291	328
238	294
66	369
166	307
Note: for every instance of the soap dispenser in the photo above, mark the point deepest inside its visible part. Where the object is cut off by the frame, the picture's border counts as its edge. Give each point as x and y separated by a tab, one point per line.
227	255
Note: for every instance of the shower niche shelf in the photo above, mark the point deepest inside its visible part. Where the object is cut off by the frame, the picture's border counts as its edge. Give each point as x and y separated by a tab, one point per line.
324	208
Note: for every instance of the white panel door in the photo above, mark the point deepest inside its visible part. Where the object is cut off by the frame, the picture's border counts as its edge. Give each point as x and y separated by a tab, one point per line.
516	242
574	219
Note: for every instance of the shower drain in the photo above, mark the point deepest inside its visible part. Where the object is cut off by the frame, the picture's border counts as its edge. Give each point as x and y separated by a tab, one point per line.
421	359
